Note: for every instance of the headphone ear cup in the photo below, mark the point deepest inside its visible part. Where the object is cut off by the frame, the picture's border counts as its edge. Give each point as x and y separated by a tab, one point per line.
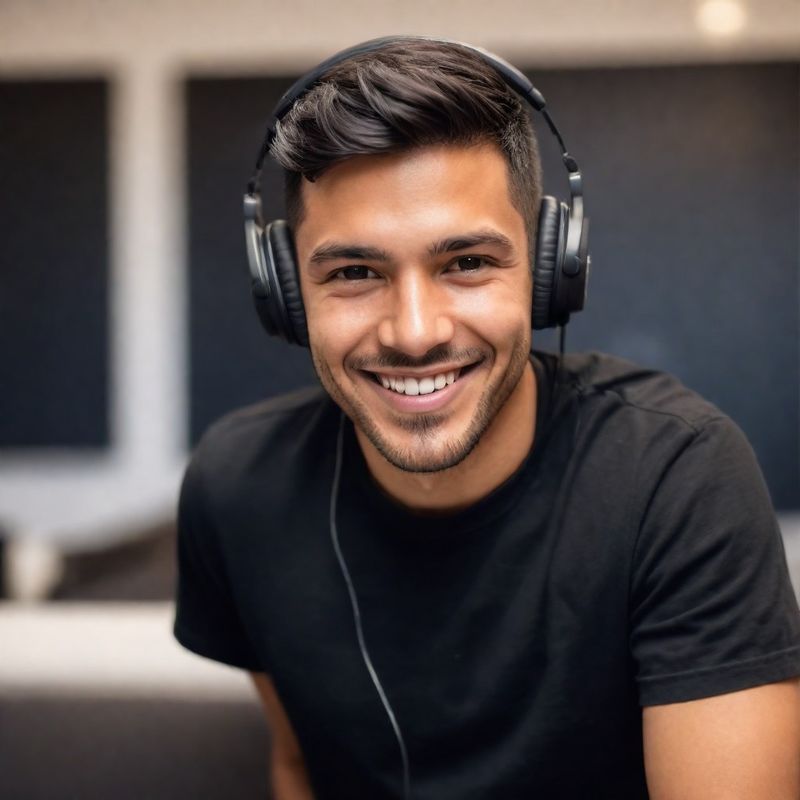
546	263
281	256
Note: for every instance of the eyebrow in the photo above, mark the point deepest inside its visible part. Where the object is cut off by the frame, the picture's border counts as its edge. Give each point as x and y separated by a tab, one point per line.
485	236
335	251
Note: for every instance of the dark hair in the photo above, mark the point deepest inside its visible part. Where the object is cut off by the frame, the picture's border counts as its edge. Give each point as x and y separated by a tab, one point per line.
408	94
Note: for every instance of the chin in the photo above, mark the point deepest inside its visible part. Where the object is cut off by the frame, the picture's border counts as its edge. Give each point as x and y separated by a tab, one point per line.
430	449
433	442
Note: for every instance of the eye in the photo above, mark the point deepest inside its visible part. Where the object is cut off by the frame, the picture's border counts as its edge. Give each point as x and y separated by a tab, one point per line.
354	273
468	264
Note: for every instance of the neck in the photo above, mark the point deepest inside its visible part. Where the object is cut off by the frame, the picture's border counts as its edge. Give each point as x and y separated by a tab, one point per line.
499	453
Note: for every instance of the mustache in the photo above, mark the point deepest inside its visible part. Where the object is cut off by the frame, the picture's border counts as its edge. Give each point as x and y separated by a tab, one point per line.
395	359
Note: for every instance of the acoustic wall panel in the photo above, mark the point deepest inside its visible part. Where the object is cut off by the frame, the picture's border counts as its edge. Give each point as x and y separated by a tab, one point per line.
233	362
53	264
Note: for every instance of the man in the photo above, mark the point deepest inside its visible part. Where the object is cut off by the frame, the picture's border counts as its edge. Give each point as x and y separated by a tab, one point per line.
465	569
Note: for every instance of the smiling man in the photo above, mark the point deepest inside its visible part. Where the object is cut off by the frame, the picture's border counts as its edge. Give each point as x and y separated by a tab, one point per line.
464	568
419	307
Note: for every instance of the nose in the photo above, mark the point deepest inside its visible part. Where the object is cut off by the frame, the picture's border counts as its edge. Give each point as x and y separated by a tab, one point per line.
418	316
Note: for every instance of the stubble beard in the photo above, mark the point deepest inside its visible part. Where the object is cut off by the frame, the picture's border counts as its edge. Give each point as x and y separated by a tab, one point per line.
422	458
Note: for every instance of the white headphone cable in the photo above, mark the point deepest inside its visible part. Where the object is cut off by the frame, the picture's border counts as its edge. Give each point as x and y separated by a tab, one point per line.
357	613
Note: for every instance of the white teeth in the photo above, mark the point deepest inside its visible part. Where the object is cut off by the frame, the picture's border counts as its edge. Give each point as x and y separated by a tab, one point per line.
426	385
411	386
416	386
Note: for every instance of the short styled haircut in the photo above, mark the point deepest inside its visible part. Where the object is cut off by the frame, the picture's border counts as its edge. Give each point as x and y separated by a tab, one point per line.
408	94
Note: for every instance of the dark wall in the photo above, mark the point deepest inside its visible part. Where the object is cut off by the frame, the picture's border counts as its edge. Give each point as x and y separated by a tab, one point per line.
53	263
692	187
232	361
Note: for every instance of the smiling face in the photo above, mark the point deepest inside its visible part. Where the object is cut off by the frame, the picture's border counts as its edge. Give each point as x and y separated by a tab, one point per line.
415	277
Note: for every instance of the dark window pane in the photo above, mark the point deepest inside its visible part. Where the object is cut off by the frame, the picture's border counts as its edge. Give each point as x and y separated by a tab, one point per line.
233	362
53	263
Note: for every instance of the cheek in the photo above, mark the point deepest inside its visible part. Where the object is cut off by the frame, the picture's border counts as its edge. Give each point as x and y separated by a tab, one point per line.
334	331
498	314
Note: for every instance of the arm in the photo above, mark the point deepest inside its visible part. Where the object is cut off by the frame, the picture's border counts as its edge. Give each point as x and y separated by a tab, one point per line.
287	768
739	746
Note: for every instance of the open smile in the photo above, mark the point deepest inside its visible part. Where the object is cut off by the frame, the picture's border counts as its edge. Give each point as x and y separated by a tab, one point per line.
420	392
410	385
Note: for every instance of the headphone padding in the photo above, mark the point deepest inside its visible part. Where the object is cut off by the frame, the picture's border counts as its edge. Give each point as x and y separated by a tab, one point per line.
546	261
286	273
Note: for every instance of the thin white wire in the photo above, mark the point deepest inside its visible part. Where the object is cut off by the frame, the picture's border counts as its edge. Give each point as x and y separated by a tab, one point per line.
357	613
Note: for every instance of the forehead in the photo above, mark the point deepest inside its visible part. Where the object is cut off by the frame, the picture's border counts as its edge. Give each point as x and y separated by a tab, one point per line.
409	198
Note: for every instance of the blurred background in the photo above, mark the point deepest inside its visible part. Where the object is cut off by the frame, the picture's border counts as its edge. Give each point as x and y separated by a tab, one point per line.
127	133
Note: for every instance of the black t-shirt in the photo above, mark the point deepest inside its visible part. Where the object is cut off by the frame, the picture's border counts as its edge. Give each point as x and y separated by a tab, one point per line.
633	559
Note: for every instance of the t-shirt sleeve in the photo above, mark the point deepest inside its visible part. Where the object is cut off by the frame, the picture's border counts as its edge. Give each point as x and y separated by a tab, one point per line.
712	607
206	618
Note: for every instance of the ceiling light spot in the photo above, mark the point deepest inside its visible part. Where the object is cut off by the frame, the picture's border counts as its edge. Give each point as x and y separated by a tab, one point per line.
721	17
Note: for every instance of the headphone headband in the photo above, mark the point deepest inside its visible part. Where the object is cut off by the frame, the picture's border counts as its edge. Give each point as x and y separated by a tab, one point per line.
513	77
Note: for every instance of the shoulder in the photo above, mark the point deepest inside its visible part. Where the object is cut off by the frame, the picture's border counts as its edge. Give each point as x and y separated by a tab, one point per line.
640	424
267	418
252	444
639	392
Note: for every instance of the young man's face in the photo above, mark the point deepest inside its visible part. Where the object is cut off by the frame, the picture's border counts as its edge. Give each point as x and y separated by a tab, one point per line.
415	277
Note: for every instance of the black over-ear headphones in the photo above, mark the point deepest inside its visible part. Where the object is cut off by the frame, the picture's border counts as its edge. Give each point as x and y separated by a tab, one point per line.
561	261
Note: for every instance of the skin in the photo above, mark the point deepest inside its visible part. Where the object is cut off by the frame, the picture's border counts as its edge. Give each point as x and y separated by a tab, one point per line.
415	264
288	776
380	296
739	746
